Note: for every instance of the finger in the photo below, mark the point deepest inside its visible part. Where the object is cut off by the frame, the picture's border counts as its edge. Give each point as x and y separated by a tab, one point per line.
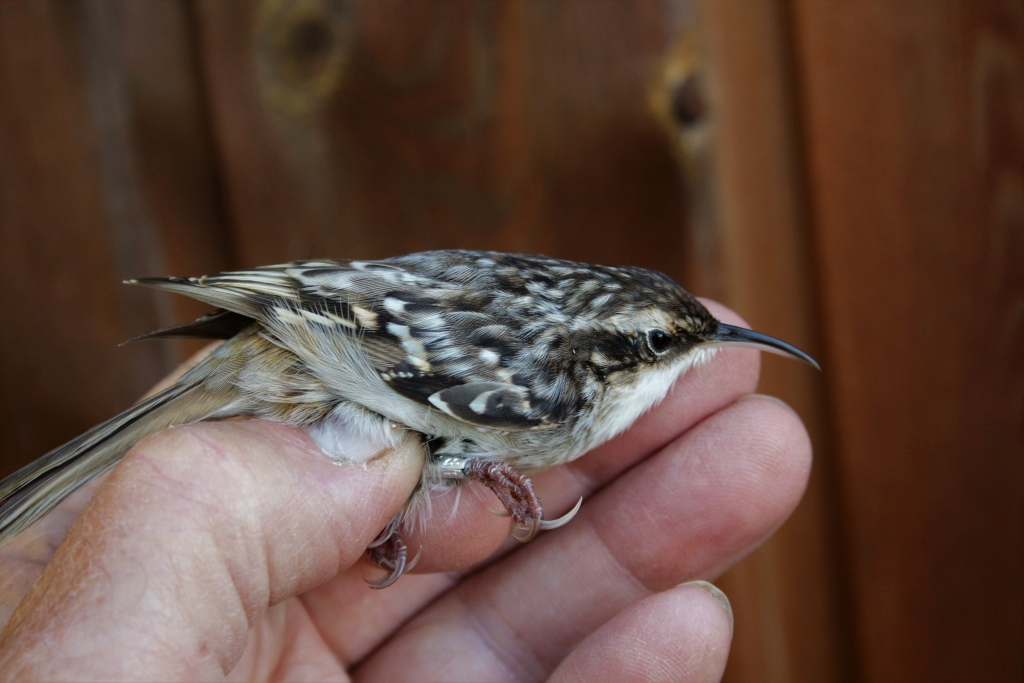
461	532
687	512
187	543
23	559
680	635
285	646
354	620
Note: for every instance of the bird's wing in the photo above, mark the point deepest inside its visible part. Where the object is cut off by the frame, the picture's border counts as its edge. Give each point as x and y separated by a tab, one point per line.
429	339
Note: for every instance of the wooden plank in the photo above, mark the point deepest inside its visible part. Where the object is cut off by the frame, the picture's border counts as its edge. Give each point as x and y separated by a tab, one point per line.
86	201
374	129
787	595
179	174
914	117
63	311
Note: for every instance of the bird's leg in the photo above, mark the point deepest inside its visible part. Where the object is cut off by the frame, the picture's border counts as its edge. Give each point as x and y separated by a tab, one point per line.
389	551
515	491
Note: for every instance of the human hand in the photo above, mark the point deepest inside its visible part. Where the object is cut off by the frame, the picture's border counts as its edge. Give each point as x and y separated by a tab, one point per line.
235	549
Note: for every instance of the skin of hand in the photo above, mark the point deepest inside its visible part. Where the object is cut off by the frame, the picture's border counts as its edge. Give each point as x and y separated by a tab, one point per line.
235	550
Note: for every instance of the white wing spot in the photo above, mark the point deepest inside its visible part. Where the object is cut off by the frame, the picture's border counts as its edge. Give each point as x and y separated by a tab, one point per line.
433	321
366	318
290	317
341	320
393	305
416	354
479	404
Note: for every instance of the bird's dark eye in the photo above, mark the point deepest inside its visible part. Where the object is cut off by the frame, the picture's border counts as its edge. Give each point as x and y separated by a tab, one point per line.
659	340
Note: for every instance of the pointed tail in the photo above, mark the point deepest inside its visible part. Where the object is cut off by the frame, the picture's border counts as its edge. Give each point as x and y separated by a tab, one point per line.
37	488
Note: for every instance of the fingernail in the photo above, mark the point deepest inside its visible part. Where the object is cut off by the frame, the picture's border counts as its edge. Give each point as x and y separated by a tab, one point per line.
715	592
345	438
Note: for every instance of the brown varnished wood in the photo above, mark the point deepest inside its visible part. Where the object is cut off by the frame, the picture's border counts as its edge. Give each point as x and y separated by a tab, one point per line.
914	134
516	126
789	593
179	173
97	184
62	308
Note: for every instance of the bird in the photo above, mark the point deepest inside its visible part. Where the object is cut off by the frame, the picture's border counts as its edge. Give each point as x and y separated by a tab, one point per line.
502	365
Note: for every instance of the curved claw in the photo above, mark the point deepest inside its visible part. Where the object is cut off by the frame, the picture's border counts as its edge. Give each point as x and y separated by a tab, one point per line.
412	565
526	532
499	513
401	567
563	520
386	533
390	577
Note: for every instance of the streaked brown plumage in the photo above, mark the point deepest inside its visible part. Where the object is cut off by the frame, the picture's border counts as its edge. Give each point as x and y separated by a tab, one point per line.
506	364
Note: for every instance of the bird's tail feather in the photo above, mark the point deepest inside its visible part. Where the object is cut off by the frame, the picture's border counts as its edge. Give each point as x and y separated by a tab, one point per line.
37	488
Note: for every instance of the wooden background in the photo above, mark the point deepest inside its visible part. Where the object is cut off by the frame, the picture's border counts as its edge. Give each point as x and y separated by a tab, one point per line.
848	175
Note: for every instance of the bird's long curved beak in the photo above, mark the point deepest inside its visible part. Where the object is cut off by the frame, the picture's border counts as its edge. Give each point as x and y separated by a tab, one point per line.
730	335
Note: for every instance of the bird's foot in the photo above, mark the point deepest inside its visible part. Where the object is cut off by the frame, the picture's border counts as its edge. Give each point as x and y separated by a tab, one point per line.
515	491
389	551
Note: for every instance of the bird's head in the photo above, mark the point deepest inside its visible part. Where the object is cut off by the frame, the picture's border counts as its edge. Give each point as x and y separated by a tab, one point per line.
653	322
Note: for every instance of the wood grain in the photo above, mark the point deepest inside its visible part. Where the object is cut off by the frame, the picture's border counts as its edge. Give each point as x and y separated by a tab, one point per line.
788	594
914	115
99	180
518	126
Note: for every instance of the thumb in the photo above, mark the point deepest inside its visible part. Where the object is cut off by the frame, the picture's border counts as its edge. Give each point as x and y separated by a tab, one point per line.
187	543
